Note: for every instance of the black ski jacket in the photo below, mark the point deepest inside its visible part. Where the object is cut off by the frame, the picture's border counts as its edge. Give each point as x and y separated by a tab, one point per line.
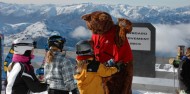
21	80
185	73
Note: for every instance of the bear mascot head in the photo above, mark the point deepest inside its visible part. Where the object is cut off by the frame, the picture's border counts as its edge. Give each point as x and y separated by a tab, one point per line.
100	22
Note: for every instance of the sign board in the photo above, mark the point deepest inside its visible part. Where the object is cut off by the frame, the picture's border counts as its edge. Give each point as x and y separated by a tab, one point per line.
142	40
139	38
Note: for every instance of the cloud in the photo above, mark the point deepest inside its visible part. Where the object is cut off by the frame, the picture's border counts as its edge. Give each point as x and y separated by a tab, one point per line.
169	37
81	32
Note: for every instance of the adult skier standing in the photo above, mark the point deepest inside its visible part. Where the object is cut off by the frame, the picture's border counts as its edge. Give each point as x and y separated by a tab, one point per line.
110	42
58	70
21	78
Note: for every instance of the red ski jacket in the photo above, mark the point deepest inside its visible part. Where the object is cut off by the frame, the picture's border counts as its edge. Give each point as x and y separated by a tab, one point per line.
105	48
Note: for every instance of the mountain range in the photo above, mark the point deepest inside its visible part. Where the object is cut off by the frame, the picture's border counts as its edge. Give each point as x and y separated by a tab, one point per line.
42	21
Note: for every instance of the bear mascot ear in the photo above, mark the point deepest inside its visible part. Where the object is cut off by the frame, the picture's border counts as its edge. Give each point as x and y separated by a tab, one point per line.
98	22
87	18
124	26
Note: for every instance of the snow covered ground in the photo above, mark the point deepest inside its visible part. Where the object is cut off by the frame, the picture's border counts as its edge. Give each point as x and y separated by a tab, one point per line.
146	85
163	83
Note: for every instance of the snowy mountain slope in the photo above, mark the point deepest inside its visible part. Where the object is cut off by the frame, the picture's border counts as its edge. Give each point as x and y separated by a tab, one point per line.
36	30
41	21
41	30
151	14
8	29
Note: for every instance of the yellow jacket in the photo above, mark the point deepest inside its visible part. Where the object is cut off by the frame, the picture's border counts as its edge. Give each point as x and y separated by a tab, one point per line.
89	81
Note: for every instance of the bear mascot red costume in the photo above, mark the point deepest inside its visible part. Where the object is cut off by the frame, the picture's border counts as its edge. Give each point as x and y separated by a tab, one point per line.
109	41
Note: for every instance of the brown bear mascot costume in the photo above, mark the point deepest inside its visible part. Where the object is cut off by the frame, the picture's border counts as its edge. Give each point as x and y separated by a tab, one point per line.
109	41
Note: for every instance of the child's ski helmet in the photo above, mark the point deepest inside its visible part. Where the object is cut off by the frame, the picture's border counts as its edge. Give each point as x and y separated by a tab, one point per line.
84	48
23	46
56	41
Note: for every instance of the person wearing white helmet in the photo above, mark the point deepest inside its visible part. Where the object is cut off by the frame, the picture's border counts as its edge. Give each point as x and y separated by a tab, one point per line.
21	78
58	70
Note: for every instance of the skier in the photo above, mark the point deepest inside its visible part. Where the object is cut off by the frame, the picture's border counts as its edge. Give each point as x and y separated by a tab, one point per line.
89	72
58	70
182	62
110	42
185	72
20	75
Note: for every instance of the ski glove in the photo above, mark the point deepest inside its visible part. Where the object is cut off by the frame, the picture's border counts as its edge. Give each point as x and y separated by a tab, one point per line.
110	63
120	66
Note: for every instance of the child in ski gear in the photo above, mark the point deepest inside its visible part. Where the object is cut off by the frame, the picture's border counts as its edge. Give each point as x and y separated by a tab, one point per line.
58	70
20	75
185	72
89	72
110	42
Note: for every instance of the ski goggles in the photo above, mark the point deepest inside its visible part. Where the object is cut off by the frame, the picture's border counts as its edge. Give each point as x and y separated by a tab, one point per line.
58	40
34	44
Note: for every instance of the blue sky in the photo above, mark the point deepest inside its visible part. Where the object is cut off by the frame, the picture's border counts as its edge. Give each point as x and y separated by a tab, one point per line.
169	3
